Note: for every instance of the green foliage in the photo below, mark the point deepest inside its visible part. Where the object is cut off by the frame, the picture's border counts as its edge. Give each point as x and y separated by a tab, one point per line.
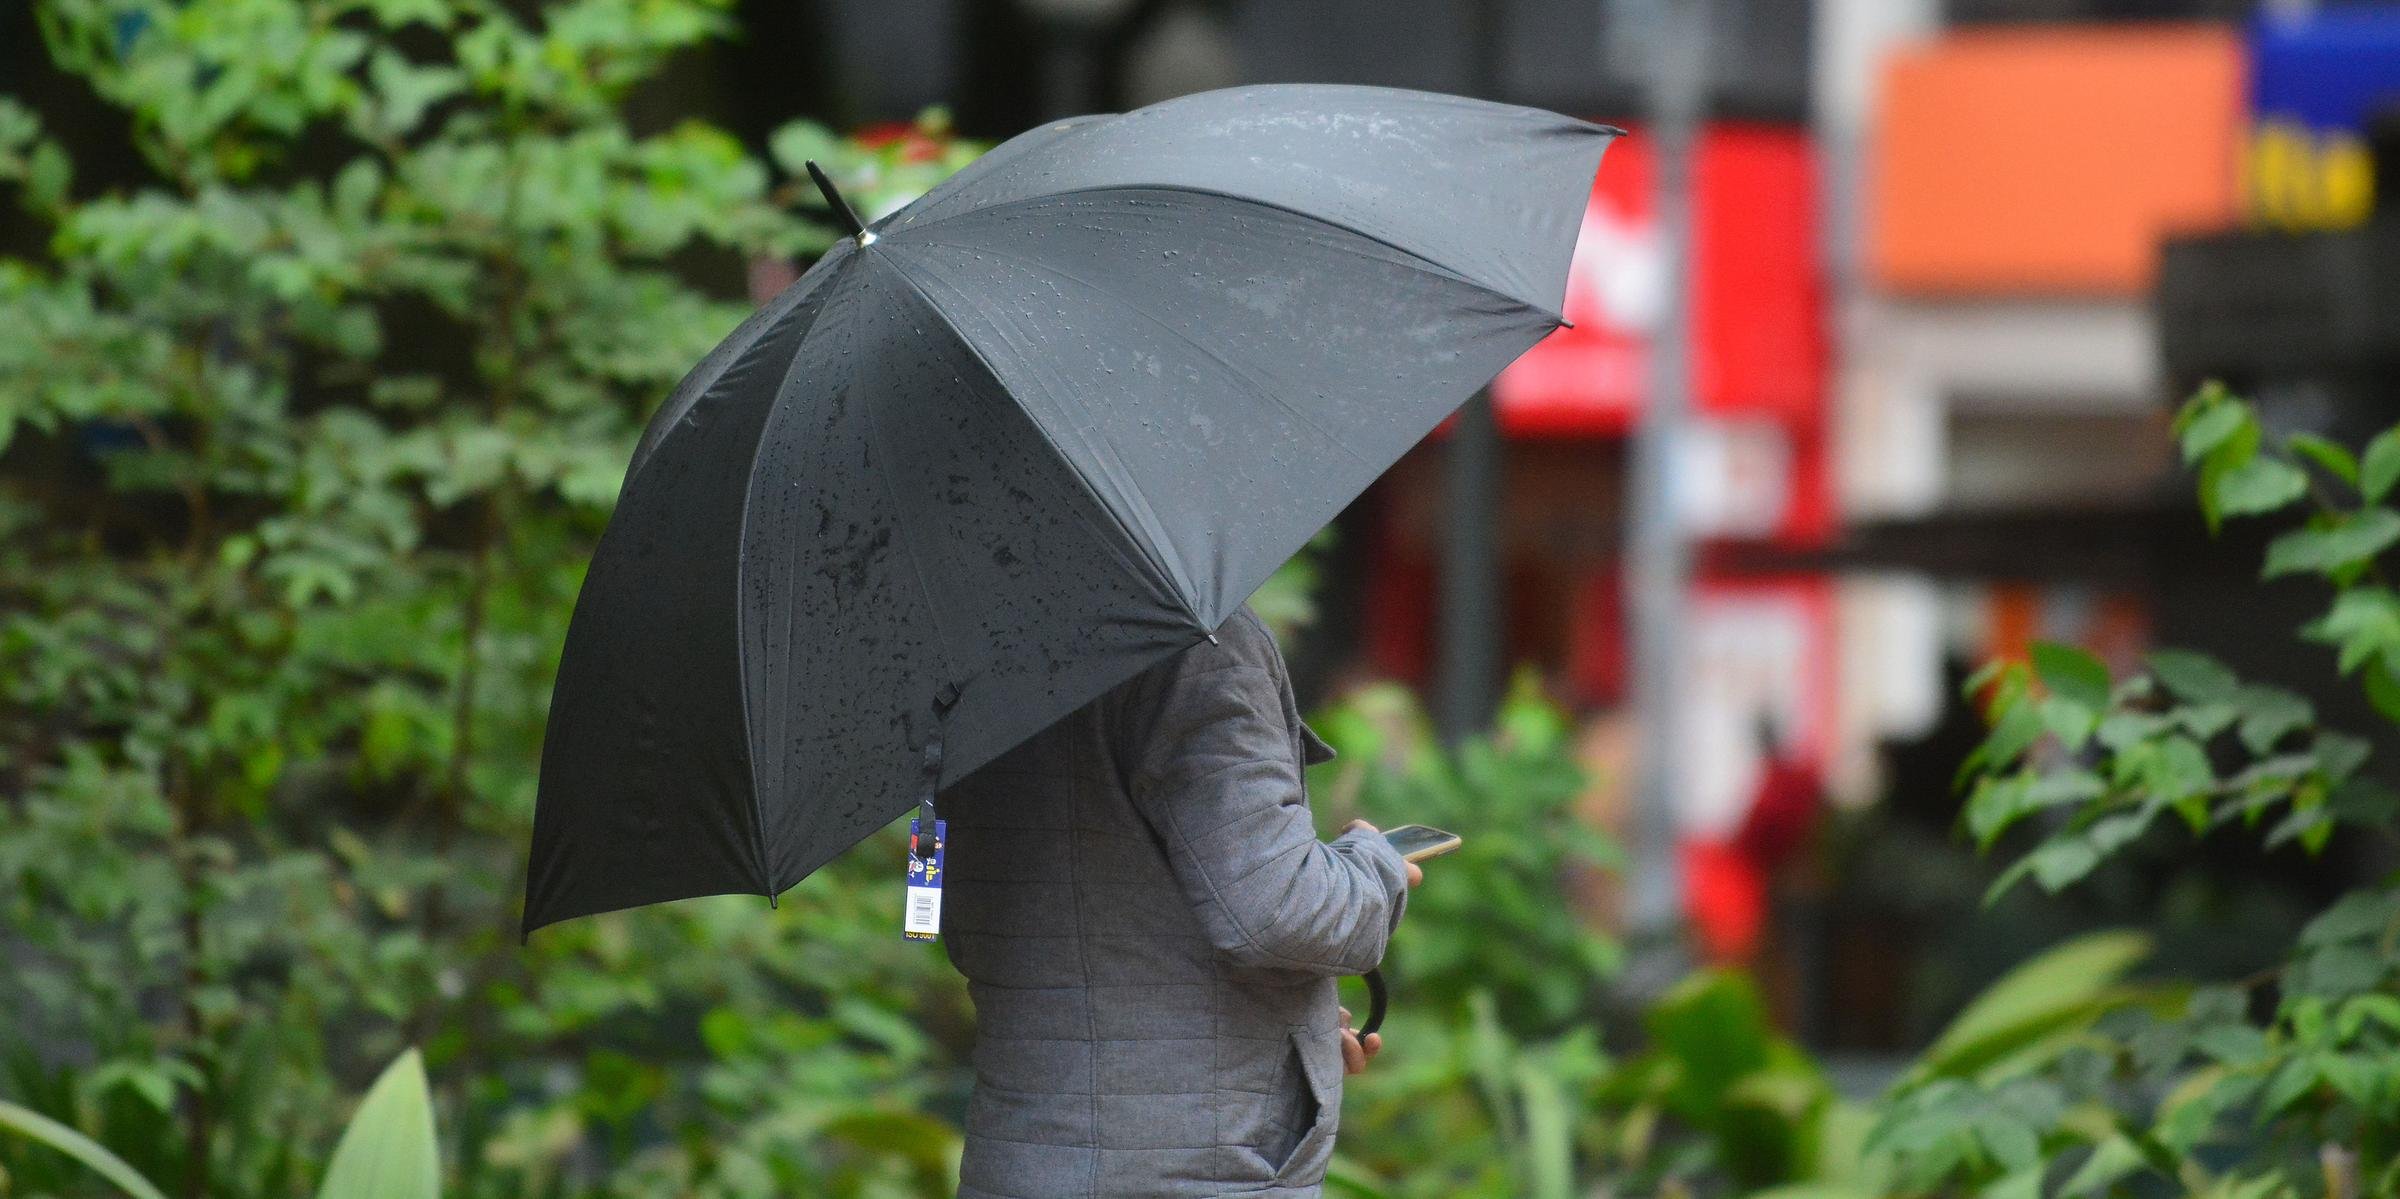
1720	1091
2184	743
2288	1084
2023	1015
1974	1102
74	1145
389	1151
1459	1106
309	435
1494	916
1491	1088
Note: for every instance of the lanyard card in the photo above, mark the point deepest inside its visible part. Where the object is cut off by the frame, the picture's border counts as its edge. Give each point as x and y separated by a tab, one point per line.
923	919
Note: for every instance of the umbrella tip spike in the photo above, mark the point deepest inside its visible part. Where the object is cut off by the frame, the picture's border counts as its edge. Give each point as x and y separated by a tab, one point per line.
841	207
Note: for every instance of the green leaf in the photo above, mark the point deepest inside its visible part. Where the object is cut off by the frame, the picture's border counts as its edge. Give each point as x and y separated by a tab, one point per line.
2211	426
2205	721
2071	722
2340	755
2269	714
389	1151
2072	674
1998	803
2383	688
2340	545
2379	467
48	175
2295	1080
2193	676
2336	459
1984	676
2363	622
928	1145
2359	916
84	1150
2256	487
2178	768
2019	726
2111	1162
2065	987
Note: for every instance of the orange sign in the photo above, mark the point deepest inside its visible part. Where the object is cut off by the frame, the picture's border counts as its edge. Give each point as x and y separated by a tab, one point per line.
2052	160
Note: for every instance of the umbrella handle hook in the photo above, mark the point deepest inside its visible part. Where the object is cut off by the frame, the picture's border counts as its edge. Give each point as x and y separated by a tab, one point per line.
1377	1000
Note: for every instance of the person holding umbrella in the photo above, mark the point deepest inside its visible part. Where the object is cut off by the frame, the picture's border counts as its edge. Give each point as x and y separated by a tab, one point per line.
968	517
1151	931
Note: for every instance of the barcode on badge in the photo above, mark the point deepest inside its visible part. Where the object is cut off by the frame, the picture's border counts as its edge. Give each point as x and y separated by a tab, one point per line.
924	917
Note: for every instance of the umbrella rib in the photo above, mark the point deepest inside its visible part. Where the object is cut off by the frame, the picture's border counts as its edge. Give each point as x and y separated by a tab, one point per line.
1415	259
1151	557
741	611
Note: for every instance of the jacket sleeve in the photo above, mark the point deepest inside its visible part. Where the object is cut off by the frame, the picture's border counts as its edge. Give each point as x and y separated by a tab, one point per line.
1207	755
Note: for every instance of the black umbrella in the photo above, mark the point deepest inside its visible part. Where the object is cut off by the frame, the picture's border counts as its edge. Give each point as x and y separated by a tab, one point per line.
1000	450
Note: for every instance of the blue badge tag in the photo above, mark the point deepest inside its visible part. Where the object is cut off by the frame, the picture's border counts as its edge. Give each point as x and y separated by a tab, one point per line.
923	919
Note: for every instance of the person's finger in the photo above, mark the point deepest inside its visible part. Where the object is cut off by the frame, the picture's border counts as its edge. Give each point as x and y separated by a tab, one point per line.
1354	1055
1372	1043
1345	1017
1356	825
1416	874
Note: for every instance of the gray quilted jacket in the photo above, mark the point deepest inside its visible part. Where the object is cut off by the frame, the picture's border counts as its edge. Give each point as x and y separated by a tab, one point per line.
1150	931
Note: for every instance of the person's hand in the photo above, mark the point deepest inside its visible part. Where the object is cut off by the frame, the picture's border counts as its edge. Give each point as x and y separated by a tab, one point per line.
1415	875
1358	1050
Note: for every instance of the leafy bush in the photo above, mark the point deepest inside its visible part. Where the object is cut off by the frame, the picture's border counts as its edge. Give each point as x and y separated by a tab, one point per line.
2066	1078
1494	917
2285	1084
309	435
1495	975
387	1152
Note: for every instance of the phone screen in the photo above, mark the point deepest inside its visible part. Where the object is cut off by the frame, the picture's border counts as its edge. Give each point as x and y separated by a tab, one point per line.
1417	842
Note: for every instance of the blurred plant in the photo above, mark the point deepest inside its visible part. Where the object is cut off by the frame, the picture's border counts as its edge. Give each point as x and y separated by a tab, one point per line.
1468	1109
1496	919
1720	1094
309	435
387	1152
1495	974
1287	601
2284	1084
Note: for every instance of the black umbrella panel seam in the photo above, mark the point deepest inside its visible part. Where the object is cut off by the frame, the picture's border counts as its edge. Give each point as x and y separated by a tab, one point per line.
741	566
1168	580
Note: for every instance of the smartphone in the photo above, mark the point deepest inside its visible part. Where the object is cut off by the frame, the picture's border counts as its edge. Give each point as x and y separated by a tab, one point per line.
1417	842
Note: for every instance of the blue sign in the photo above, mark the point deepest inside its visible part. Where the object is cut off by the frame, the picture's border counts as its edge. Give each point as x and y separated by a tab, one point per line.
2317	80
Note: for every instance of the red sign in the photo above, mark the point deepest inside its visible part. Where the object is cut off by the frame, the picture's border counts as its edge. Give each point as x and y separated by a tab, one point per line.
1759	344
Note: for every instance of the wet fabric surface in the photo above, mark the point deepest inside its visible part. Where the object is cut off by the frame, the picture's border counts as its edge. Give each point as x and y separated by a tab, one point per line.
1055	422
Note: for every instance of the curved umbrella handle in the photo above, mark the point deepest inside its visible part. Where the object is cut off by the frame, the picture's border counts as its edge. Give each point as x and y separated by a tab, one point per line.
1377	1001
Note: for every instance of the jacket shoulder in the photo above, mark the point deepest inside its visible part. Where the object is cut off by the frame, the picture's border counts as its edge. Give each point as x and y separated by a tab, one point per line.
1242	641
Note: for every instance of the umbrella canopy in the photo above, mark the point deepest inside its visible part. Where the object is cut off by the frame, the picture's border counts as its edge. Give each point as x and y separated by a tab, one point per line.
1050	423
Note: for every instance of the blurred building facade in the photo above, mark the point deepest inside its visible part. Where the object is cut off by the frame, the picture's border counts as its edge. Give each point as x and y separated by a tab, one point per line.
1934	346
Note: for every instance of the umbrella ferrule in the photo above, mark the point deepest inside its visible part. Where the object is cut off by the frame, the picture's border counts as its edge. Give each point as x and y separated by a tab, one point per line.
841	207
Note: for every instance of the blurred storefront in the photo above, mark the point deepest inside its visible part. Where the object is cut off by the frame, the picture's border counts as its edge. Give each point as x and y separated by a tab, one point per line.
2001	440
2298	308
1757	474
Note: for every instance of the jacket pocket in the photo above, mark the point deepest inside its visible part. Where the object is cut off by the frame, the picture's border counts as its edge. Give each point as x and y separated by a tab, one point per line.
1319	1111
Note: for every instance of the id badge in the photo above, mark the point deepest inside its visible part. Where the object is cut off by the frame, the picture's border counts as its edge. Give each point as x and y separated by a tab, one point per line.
922	920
